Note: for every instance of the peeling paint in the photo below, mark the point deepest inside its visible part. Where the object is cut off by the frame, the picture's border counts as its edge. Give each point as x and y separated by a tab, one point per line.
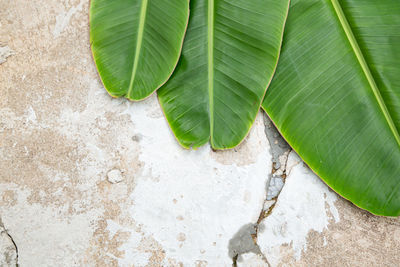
212	199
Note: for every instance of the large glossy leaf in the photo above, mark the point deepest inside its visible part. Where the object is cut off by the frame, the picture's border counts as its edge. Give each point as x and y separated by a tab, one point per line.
336	96
229	56
136	43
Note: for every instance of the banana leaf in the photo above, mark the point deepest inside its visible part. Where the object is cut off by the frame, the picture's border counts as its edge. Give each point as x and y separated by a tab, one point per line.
336	96
136	44
228	58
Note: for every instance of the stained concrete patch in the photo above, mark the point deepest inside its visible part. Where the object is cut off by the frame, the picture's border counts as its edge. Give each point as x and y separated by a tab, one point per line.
358	239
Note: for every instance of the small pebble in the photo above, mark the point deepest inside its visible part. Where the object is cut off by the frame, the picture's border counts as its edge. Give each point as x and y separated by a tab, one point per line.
115	176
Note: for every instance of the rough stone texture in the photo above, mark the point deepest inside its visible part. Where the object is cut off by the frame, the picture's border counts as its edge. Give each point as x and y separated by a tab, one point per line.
87	180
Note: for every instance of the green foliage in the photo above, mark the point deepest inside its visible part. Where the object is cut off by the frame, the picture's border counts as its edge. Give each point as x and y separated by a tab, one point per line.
335	96
229	56
136	43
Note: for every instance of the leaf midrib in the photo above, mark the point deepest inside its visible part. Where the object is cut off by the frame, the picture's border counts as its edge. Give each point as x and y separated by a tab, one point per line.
360	57
139	40
210	50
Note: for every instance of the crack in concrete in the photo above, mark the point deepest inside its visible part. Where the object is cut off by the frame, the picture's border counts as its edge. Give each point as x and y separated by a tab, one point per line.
280	151
245	240
7	256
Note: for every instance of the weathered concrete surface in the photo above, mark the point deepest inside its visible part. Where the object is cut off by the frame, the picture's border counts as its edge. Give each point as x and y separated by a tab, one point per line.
87	180
93	181
311	226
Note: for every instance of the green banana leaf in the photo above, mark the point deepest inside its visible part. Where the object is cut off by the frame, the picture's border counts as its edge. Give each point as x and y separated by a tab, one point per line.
229	55
336	96
136	44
